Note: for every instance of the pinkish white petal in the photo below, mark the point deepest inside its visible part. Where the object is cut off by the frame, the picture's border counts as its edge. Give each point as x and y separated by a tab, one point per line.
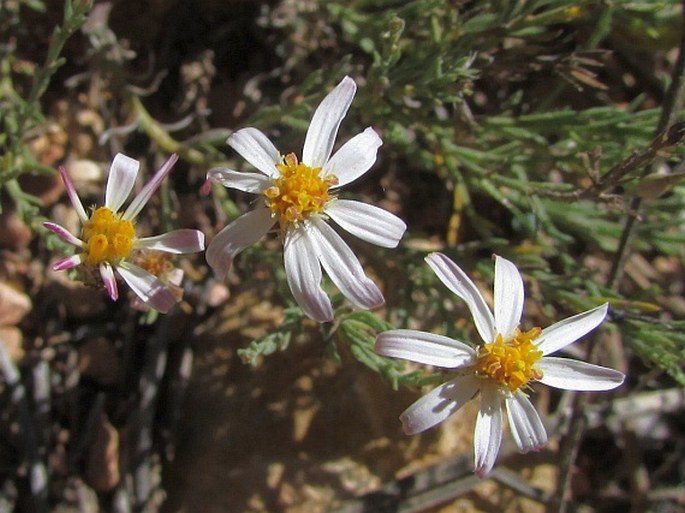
459	283
303	273
487	437
368	222
342	265
73	196
525	423
571	374
122	176
323	129
149	189
426	348
509	297
257	149
109	281
239	234
64	234
175	277
68	262
151	290
354	158
563	333
438	404
176	242
254	183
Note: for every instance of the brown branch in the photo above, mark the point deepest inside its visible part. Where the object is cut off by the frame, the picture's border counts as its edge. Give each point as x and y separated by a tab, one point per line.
666	140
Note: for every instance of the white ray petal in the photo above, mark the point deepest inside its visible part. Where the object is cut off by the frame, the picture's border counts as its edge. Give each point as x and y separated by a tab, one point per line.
303	272
122	176
68	262
64	234
438	404
426	348
488	432
73	196
149	189
459	283
257	149
150	289
570	374
323	129
110	282
368	222
563	333
239	234
354	158
176	242
525	423
342	265
509	296
254	183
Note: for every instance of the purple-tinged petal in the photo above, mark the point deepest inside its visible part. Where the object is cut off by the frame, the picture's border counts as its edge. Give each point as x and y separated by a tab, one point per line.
175	277
451	275
426	348
64	234
303	272
254	183
368	222
68	262
257	149
354	158
569	374
176	242
559	335
73	196
525	423
438	404
509	297
122	176
149	189
109	280
342	265
231	240
323	129
150	289
488	432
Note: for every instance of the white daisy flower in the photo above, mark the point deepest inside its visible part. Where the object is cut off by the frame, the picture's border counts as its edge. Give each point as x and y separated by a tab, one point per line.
299	196
501	368
108	241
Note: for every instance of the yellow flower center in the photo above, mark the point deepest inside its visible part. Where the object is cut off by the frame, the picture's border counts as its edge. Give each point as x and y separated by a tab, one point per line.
511	364
154	262
298	192
107	237
159	264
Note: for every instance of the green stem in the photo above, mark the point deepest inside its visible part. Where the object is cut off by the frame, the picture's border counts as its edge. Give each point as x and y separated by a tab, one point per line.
161	137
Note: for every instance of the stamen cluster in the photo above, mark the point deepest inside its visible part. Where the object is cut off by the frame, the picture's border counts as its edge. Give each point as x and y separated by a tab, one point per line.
156	263
107	237
511	364
298	192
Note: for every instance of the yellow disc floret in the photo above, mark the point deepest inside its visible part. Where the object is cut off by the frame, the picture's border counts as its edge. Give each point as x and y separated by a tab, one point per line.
154	262
298	192
511	364
107	237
